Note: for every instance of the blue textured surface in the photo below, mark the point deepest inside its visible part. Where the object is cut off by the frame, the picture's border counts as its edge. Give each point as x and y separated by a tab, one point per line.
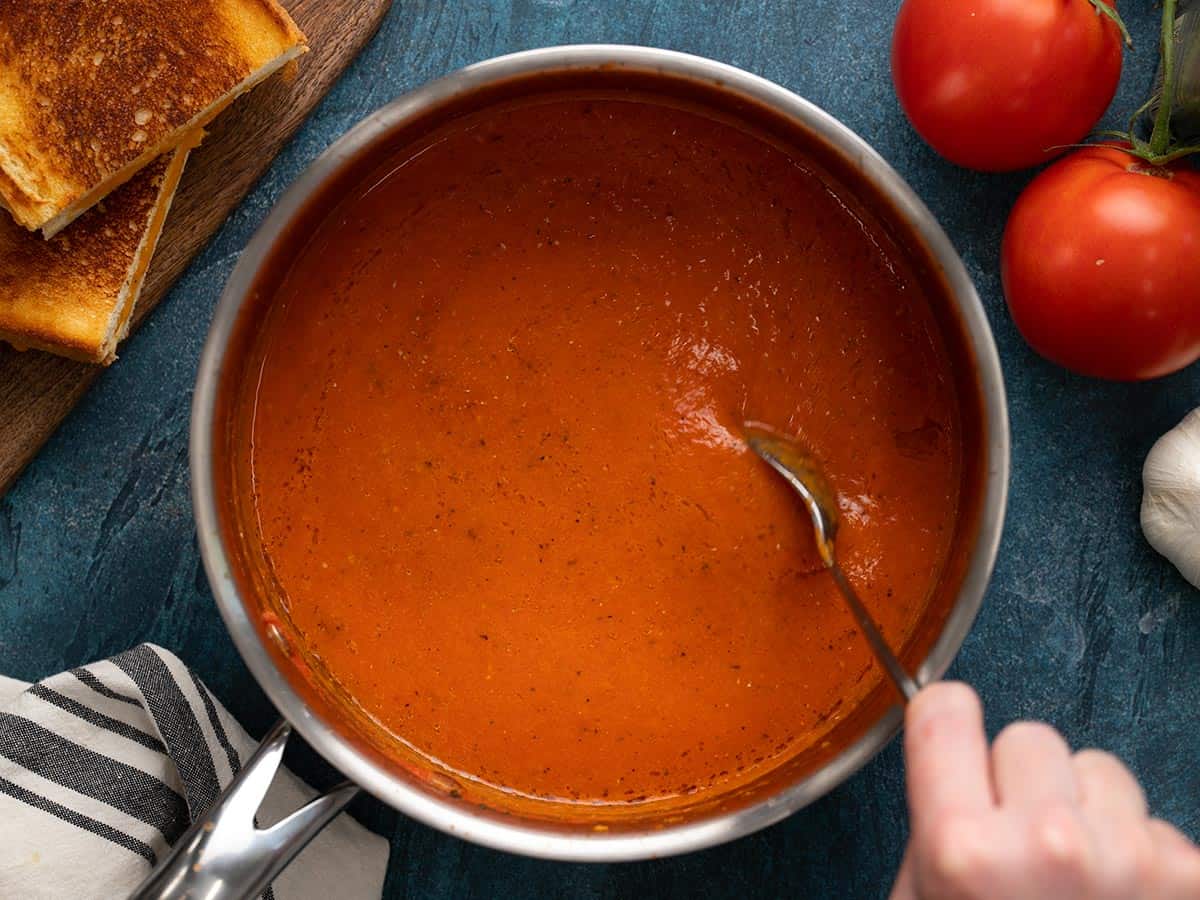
1083	625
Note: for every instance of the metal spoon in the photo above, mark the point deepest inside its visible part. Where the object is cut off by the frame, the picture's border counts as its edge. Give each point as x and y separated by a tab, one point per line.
803	473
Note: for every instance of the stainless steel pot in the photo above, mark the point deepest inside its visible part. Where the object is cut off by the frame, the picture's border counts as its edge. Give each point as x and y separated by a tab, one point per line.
432	803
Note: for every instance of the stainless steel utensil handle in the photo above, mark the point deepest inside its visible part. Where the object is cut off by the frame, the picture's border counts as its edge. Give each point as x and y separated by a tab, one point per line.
904	682
224	855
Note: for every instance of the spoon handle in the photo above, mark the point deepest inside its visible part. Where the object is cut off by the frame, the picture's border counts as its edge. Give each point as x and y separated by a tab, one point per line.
904	683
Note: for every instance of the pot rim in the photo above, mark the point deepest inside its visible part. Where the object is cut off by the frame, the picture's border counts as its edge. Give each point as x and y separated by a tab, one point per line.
526	838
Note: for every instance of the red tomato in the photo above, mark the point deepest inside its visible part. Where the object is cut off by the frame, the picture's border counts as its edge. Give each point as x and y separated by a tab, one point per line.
992	84
1101	265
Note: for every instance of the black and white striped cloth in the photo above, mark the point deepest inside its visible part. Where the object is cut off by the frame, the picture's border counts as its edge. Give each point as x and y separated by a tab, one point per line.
103	767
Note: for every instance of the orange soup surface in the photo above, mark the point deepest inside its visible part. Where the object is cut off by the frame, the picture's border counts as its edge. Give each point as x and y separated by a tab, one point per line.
496	453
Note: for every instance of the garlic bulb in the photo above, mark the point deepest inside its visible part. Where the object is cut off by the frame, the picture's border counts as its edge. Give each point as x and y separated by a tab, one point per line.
1171	496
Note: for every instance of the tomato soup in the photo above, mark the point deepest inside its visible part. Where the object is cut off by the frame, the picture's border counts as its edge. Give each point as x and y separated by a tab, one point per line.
493	431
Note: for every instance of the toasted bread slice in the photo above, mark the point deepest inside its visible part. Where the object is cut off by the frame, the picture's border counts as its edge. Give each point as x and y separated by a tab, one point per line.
73	294
93	90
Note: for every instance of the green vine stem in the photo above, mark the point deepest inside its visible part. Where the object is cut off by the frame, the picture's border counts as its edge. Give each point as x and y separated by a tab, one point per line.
1103	9
1160	138
1162	148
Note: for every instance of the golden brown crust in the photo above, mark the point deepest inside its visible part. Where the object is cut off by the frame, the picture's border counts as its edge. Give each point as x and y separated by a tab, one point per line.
91	90
72	295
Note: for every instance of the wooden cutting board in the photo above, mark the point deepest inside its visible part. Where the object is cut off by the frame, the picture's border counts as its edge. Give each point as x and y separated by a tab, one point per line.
37	390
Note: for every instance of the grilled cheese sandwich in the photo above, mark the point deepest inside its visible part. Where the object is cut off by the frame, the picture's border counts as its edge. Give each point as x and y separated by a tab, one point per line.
74	294
93	90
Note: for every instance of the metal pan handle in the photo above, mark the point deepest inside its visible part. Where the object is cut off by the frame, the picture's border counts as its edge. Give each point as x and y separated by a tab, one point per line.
224	855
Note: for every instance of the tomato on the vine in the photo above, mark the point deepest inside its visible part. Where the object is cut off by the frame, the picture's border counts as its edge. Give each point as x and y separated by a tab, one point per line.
1101	264
994	84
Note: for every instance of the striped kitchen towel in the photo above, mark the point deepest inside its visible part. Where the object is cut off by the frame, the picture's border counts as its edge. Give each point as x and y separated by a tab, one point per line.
103	767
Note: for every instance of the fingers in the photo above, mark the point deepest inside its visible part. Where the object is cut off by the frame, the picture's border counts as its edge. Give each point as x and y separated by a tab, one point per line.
1114	808
1177	863
973	855
1107	787
1026	818
1035	780
947	753
1170	837
1032	768
1061	854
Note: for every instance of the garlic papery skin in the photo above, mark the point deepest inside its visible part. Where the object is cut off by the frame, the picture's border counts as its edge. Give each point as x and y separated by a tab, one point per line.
1171	496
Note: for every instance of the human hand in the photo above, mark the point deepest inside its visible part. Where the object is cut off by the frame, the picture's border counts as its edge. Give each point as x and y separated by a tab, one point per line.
1026	819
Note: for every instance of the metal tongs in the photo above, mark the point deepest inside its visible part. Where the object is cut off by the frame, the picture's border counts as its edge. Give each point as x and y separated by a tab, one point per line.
225	854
